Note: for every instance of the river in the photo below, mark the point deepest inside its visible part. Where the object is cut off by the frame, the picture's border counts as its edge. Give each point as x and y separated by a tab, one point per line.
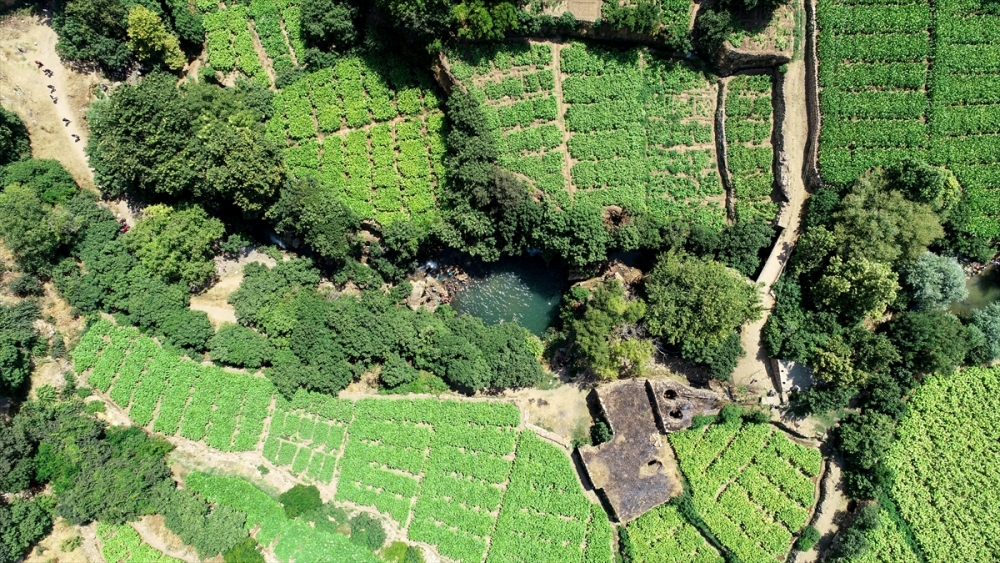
983	289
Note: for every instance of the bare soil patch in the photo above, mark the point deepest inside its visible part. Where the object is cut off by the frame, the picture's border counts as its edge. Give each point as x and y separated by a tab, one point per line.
49	549
24	90
562	410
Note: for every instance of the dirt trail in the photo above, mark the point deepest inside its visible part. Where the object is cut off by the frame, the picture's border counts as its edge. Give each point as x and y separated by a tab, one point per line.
24	89
753	366
834	503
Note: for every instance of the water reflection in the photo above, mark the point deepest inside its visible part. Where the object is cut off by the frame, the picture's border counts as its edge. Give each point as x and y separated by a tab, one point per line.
523	290
983	290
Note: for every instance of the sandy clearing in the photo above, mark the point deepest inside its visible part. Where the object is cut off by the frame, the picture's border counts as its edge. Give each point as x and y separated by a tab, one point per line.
24	90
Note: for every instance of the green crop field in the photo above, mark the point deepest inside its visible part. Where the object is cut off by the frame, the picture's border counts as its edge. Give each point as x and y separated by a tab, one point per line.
229	40
888	91
663	536
752	486
122	544
612	127
887	541
750	156
461	476
945	465
370	132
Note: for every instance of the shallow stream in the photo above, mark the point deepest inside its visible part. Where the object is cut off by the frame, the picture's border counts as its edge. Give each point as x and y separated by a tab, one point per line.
983	289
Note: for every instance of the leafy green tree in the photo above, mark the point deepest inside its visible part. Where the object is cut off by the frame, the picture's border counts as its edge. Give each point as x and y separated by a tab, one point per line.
47	177
598	334
326	224
22	523
577	234
833	363
367	531
881	225
239	346
176	244
413	555
14	141
329	24
720	359
865	440
187	24
812	249
18	338
93	31
247	551
210	530
700	302
396	372
300	499
194	143
711	30
32	230
935	281
741	246
149	39
923	183
857	289
929	342
807	539
987	321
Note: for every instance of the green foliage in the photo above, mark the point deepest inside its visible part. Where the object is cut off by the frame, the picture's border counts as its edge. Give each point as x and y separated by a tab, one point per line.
47	177
14	142
929	342
857	289
807	539
667	21
329	23
247	551
93	31
239	346
367	531
711	30
744	246
696	301
32	230
324	221
987	321
18	337
149	39
22	523
935	281
720	359
600	433
176	244
596	331
210	146
299	500
210	531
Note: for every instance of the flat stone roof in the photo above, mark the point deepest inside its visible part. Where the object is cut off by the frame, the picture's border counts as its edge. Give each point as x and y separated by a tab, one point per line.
637	469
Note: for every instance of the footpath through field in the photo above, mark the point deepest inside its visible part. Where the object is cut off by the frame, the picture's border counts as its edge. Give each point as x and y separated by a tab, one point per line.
753	366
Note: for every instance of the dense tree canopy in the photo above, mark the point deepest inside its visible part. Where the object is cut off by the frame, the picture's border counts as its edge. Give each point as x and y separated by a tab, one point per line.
149	39
935	281
330	24
198	142
176	244
18	337
47	177
14	142
598	326
698	301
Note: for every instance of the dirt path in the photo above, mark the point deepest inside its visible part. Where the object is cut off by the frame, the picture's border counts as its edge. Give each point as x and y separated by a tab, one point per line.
152	531
834	503
24	90
795	129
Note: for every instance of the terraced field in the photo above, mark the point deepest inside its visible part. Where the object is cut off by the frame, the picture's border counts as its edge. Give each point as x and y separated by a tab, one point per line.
461	476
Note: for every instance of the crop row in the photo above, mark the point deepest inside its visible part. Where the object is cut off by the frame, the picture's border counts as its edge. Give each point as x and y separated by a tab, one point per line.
663	536
202	402
123	544
748	139
486	58
750	483
297	540
386	172
947	449
230	44
267	22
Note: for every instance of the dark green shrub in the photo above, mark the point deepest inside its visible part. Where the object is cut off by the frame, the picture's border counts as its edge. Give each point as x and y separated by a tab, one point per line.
730	414
247	551
299	500
600	433
26	285
851	543
700	420
367	531
807	539
95	407
14	142
239	346
756	416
